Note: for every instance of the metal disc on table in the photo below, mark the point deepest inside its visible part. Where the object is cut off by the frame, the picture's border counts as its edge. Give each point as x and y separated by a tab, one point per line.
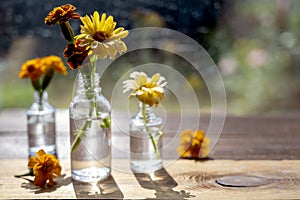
241	181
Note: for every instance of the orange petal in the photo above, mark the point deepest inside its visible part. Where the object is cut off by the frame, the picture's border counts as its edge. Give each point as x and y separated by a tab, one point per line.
40	153
56	170
32	161
40	179
199	135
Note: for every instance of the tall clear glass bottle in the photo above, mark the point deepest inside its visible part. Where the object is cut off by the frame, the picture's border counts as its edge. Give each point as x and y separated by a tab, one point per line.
41	125
145	140
90	131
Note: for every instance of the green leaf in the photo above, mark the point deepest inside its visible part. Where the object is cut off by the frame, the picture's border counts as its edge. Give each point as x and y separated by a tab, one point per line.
106	123
47	78
36	84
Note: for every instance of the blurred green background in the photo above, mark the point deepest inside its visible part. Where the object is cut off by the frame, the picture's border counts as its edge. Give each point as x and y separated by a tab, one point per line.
255	45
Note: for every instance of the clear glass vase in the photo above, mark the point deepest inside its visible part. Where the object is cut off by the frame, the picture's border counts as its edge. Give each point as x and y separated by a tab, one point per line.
145	140
41	129
90	131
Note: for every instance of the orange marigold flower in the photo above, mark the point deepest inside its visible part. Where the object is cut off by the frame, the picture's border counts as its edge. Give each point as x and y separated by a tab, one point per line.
32	69
61	14
75	54
54	63
193	144
45	167
36	67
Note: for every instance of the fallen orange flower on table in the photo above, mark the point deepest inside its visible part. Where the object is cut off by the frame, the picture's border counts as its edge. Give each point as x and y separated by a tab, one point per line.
193	144
45	167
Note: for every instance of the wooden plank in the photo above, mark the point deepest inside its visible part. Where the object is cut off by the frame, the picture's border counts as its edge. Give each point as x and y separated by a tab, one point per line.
251	137
183	179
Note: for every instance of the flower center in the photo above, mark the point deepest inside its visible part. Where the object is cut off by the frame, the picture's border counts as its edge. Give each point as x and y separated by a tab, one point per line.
100	36
31	68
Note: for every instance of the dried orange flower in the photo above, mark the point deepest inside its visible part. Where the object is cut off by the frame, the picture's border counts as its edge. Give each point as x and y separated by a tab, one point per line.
193	144
45	167
61	14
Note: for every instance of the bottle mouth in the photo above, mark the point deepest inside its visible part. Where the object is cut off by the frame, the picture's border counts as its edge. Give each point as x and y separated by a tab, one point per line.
88	83
40	97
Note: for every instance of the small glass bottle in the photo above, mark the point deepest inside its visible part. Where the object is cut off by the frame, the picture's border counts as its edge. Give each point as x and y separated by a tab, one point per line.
41	125
90	131
145	140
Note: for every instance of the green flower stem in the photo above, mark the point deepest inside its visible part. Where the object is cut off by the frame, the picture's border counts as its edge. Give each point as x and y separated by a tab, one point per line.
29	173
36	84
80	133
106	123
67	31
37	87
40	86
47	78
154	143
89	86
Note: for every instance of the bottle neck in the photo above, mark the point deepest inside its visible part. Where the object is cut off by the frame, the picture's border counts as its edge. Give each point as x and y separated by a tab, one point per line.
88	83
146	117
40	97
146	112
40	104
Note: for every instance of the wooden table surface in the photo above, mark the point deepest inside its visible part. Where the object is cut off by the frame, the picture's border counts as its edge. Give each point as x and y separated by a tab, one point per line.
256	157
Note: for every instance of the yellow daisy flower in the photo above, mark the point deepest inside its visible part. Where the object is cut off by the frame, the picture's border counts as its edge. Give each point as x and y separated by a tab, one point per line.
148	90
193	144
101	37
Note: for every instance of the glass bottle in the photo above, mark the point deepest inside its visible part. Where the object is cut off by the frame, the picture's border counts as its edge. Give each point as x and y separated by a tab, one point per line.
145	140
41	125
90	131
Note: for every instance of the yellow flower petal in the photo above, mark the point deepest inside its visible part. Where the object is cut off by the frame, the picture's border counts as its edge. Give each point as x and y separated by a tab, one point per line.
118	30
103	18
147	90
99	36
96	20
107	24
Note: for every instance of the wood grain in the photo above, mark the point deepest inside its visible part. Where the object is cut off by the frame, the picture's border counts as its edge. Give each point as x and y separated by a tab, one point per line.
264	147
251	137
183	179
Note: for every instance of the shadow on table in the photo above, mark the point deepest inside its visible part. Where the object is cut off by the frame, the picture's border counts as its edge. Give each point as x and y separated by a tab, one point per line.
107	189
162	183
60	181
